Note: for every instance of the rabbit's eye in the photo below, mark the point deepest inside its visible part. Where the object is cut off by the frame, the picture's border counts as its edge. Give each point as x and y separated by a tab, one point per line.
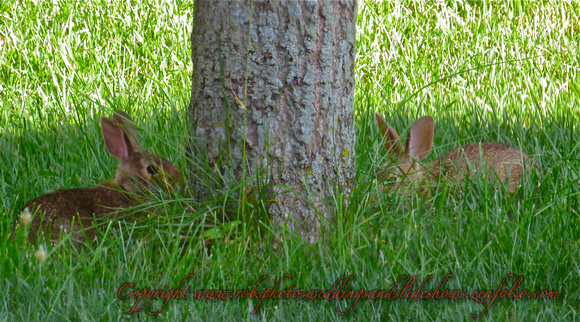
151	170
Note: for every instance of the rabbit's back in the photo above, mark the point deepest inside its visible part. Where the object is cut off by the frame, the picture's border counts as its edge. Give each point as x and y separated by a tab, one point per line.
499	159
61	207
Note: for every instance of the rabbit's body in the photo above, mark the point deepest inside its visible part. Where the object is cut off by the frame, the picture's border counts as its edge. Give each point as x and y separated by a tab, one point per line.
140	172
99	201
500	160
492	159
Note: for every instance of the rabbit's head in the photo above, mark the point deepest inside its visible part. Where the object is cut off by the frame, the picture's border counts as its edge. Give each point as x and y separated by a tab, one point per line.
139	171
402	168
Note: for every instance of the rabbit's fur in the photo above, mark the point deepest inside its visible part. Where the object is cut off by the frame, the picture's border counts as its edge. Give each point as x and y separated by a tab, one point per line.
139	173
501	160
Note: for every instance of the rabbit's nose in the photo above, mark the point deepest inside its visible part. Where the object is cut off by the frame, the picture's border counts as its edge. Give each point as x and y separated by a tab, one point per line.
171	178
170	171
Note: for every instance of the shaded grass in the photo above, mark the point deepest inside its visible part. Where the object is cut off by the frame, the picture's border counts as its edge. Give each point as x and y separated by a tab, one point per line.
505	72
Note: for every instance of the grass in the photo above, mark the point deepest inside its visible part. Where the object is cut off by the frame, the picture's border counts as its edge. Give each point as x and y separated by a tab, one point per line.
505	71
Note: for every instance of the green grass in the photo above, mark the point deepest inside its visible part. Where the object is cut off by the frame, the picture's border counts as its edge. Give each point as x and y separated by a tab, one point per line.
507	71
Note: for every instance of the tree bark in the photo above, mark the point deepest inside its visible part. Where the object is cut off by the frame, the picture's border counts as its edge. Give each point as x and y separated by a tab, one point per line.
272	89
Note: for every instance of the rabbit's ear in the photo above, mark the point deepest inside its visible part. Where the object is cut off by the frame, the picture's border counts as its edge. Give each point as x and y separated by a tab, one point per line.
392	142
420	139
127	125
116	140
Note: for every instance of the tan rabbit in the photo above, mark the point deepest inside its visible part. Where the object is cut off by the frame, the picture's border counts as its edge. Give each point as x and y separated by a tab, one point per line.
501	160
139	173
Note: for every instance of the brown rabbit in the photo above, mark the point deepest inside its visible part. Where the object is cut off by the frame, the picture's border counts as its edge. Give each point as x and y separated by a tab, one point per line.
139	173
499	159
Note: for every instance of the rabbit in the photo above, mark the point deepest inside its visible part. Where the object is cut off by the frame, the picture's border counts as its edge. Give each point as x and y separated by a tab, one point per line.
139	172
500	159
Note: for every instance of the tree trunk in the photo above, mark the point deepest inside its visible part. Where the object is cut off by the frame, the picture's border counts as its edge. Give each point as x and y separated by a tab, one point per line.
280	101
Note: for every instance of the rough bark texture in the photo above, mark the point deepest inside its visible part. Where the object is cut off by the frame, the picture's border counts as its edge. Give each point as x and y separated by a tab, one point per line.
296	79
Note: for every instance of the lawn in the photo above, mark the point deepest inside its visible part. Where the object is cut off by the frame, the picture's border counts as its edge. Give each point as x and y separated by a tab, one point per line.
506	71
